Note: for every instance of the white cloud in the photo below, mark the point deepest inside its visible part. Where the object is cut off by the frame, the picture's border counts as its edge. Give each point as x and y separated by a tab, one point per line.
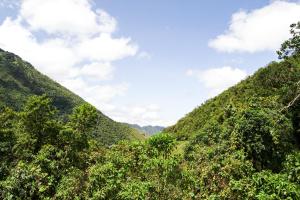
147	114
216	80
98	71
106	48
95	93
72	17
258	30
74	44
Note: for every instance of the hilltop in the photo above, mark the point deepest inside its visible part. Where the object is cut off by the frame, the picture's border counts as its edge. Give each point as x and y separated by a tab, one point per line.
20	80
273	86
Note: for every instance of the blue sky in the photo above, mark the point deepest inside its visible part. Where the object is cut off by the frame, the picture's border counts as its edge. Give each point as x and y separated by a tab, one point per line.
146	62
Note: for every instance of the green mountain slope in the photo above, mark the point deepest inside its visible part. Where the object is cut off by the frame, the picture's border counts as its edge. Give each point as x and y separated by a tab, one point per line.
273	86
19	80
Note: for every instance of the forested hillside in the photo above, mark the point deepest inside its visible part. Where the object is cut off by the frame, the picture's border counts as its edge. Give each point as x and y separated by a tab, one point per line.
272	87
242	144
20	80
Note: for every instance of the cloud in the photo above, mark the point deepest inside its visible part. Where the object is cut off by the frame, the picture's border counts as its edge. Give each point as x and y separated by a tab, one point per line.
98	71
262	29
72	17
106	48
96	93
12	4
216	80
74	44
147	114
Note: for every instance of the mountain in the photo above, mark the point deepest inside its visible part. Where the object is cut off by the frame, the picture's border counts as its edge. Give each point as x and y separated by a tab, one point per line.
149	130
274	86
245	142
19	80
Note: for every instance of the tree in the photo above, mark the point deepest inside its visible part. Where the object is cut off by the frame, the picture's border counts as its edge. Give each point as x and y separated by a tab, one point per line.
291	46
71	185
37	126
84	118
265	136
7	140
26	181
163	143
74	137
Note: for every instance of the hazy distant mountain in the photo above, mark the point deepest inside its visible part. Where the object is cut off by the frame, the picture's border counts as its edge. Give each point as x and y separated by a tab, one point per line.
149	130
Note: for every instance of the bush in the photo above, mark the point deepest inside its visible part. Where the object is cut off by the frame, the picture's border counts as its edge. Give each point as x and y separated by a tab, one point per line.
265	135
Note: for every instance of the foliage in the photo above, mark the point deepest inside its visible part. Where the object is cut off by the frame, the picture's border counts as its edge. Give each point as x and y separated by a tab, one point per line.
162	143
292	167
70	185
264	135
26	181
84	118
7	140
265	185
291	47
43	152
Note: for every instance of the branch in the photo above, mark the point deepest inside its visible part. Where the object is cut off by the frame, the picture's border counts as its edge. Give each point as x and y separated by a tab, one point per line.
292	102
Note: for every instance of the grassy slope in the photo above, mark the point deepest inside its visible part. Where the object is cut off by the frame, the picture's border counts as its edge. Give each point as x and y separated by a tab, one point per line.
277	82
19	80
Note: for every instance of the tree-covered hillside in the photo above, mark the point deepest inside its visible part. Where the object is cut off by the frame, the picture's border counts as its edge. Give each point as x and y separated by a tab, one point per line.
20	80
273	87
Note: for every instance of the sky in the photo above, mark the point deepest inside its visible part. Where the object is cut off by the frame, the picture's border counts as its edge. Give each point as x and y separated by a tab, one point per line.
146	62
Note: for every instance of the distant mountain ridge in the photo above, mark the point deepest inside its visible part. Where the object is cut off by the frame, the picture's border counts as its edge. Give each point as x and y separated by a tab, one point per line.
19	80
149	130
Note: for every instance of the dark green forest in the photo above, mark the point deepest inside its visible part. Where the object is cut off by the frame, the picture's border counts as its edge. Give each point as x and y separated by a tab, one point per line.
242	144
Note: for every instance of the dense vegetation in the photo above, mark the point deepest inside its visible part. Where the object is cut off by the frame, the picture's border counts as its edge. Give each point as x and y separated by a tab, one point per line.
43	157
242	144
19	80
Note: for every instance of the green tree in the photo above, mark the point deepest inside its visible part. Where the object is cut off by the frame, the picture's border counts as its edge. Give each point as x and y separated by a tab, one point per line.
265	136
291	46
75	135
7	140
84	118
26	181
37	126
265	185
71	185
292	167
163	143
